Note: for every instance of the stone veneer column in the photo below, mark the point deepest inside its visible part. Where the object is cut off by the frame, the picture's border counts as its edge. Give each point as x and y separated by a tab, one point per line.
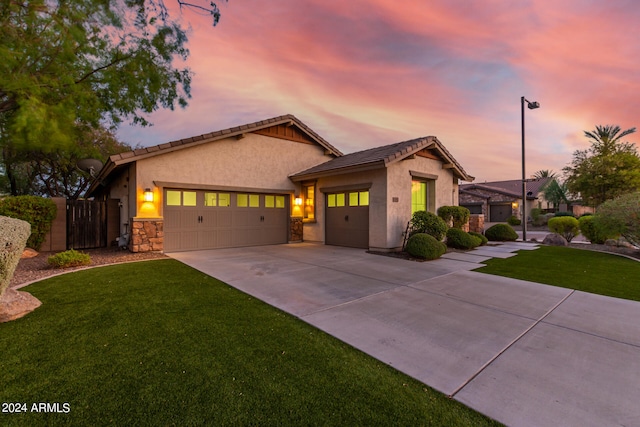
476	223
295	230
147	234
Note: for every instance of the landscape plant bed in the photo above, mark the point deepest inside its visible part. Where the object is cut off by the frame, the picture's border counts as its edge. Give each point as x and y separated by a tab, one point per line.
160	343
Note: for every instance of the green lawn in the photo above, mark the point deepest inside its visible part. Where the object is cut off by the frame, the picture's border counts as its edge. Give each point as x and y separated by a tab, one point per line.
584	270
158	343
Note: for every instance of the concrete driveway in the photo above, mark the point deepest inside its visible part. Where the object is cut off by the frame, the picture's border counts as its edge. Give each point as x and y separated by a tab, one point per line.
522	353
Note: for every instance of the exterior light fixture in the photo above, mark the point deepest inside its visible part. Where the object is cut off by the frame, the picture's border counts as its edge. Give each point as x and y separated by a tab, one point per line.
532	105
148	195
514	205
298	201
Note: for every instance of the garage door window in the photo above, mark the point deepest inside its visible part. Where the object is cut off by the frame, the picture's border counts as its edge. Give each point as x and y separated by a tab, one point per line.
274	202
248	200
360	198
181	198
216	199
335	200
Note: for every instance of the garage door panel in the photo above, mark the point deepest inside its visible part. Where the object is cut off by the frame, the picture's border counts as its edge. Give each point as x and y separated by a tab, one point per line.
347	223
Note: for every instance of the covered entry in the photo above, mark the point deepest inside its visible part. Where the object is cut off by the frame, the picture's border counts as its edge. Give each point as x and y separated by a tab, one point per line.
198	219
347	219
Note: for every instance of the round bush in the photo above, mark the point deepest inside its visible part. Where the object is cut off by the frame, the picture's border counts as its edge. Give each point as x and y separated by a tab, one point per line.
514	220
501	233
459	239
566	226
591	231
431	224
425	246
483	239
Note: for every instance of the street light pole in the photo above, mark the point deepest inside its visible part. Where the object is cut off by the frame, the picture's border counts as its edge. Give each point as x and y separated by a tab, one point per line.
531	106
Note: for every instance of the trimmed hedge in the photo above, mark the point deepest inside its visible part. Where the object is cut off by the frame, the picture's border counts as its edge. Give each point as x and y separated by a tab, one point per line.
459	239
501	233
456	215
426	222
37	211
483	239
566	226
425	246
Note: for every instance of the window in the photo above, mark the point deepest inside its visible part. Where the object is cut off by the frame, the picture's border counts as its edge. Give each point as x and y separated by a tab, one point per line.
269	201
354	198
173	197
308	201
189	198
423	196
210	199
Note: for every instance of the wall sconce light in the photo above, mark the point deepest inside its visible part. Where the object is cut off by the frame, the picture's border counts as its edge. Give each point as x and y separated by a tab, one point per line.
514	205
148	195
298	201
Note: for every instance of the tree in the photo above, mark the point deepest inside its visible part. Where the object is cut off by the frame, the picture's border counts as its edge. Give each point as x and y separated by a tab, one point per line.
609	168
55	173
544	173
556	192
85	61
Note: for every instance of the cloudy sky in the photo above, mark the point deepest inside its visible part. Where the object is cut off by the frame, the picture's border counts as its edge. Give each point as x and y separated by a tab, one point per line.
365	73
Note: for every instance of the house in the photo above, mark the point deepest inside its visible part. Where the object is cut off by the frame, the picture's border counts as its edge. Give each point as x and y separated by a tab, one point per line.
499	200
275	181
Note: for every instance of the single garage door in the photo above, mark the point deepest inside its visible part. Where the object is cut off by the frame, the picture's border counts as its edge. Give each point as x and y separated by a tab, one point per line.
195	219
473	209
499	212
347	219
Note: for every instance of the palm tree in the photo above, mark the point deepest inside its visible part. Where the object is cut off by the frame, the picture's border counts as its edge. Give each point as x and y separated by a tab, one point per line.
545	173
605	138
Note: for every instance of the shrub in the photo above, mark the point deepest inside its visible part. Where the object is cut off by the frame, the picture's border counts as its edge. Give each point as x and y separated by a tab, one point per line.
566	226
590	229
457	216
459	239
37	211
426	222
560	214
13	238
536	216
621	216
483	239
501	233
514	220
70	258
425	246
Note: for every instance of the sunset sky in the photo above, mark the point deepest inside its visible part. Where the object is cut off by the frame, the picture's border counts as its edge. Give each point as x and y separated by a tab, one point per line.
370	73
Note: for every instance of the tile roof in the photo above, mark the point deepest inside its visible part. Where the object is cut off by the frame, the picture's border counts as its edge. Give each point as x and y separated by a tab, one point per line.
380	156
511	187
225	133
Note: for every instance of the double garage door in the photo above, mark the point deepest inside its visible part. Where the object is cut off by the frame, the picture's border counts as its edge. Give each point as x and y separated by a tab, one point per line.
196	219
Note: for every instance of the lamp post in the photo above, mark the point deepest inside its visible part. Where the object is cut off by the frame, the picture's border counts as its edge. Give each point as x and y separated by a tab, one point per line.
531	105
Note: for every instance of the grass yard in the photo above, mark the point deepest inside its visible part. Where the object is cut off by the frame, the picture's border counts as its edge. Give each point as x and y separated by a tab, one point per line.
584	270
159	343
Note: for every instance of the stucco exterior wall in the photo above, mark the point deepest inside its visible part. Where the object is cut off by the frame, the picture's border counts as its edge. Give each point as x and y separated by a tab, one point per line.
399	193
255	161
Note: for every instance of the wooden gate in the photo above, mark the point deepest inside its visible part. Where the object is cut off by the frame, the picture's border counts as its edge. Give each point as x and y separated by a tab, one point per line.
86	224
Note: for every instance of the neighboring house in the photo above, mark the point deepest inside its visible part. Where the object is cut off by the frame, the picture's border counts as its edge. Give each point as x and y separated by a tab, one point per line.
499	200
275	181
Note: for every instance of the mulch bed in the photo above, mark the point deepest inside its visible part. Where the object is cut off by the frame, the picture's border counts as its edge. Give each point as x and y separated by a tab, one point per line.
37	268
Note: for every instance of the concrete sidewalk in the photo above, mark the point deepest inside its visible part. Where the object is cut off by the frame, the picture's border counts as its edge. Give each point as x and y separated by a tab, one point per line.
522	353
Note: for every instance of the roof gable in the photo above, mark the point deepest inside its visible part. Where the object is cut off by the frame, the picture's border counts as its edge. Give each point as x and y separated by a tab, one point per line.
382	156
